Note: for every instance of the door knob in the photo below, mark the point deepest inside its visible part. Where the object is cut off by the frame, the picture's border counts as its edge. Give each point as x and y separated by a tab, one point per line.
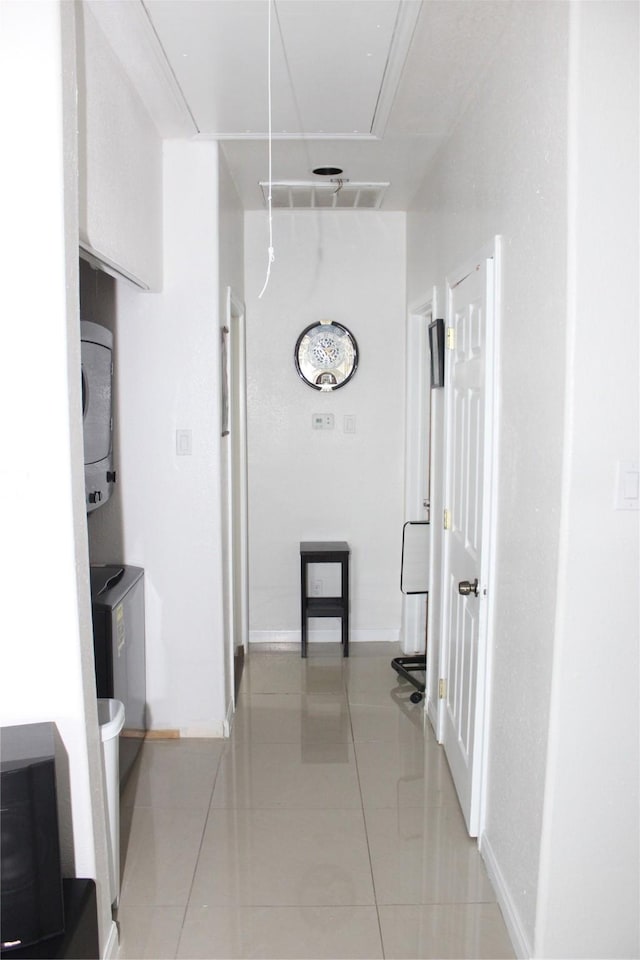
465	587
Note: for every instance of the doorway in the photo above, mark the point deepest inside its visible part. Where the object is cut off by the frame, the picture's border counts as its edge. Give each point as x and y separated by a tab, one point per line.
417	471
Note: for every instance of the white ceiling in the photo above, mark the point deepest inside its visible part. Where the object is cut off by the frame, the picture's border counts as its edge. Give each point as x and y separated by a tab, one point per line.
371	86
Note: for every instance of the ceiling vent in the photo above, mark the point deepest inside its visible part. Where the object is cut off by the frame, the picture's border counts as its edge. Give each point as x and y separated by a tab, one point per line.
303	195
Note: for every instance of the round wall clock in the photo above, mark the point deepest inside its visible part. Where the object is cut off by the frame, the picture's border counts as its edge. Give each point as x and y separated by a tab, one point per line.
326	355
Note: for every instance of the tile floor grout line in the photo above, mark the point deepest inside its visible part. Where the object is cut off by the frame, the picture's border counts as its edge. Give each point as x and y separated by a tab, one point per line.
184	922
204	829
184	917
366	834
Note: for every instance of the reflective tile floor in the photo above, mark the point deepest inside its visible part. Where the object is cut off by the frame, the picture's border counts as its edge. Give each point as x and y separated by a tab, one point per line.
327	827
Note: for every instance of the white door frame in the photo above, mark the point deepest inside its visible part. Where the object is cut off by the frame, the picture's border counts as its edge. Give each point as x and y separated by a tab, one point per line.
237	497
433	704
417	405
489	509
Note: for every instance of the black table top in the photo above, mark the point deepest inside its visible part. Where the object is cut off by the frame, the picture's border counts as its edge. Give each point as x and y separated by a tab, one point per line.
324	546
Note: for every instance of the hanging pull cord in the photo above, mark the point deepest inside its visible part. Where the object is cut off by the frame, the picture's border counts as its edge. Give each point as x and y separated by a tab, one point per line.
271	255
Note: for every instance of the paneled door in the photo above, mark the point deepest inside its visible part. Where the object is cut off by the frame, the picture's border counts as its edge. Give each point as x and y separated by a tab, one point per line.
469	392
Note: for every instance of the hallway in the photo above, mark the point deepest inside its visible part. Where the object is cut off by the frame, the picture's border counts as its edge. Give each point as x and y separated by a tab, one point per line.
326	827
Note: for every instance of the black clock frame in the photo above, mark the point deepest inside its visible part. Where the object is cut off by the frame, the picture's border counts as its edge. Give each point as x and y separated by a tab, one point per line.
356	354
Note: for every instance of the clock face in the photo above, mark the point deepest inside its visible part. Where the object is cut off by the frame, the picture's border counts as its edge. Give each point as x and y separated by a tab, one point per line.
326	355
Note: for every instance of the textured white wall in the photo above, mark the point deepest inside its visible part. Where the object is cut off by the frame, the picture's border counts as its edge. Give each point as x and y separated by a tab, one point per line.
590	877
46	649
168	379
231	232
504	172
120	156
307	484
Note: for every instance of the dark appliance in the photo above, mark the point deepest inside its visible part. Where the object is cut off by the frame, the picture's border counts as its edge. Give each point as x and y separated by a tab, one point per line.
31	881
117	601
80	938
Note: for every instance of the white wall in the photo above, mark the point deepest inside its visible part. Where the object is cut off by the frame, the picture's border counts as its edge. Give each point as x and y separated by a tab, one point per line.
504	172
548	157
307	484
164	514
120	162
589	882
46	650
168	379
231	231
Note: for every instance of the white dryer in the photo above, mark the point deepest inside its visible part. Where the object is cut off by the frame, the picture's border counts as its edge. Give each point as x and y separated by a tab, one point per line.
97	413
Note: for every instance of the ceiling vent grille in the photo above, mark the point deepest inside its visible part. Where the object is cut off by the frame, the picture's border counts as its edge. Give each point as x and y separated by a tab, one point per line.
302	195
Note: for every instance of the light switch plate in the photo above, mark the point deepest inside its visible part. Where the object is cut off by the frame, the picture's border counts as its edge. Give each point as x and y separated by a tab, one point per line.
350	423
628	485
183	443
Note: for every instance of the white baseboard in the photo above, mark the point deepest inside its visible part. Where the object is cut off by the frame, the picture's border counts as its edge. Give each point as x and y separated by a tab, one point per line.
112	944
510	913
292	637
213	730
286	637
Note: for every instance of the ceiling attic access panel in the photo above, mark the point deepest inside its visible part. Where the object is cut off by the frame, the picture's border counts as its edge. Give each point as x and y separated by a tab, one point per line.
338	195
352	39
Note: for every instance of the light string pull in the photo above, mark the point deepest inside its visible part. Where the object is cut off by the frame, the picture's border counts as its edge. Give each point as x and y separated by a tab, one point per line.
271	254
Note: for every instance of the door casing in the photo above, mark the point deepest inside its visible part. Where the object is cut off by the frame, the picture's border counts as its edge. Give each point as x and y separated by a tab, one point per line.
235	497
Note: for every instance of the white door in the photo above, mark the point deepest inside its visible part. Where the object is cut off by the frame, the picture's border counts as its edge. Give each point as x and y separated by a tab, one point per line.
466	568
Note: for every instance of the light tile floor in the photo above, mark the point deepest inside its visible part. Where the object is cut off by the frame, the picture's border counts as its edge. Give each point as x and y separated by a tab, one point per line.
327	827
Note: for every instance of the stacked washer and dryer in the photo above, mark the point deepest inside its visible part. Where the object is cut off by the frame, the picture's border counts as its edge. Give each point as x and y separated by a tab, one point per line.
117	590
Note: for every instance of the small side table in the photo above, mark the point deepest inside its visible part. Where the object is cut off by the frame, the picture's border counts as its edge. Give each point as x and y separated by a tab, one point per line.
336	551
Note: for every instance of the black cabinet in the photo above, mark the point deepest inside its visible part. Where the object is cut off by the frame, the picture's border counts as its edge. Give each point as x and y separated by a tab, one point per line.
79	941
